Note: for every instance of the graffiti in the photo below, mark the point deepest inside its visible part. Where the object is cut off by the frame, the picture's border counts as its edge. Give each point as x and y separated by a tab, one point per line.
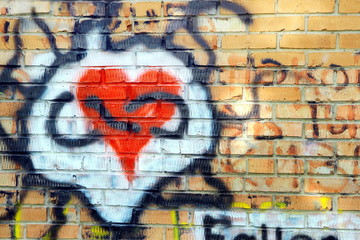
126	124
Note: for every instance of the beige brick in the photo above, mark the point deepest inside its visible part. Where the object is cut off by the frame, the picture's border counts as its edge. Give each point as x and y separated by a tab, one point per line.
349	6
273	94
316	203
230	165
272	184
303	111
253	41
259	165
263	130
24	7
313	77
236	76
236	147
331	185
231	129
188	42
332	94
333	23
284	58
146	9
277	24
253	7
306	6
294	41
8	180
304	148
7	25
348	76
290	166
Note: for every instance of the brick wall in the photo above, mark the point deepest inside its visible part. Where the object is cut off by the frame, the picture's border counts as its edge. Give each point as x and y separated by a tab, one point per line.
180	119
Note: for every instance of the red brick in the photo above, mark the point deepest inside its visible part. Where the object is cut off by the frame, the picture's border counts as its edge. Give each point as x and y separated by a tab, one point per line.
273	184
260	165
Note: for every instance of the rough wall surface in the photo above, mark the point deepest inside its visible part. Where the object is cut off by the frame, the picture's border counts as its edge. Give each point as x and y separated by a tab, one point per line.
229	120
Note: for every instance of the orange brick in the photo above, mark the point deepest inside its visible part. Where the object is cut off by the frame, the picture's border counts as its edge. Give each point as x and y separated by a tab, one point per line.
290	166
251	201
124	11
331	185
146	9
349	6
272	184
349	203
348	112
252	41
313	77
9	126
230	165
222	59
259	165
225	93
348	148
68	231
173	233
321	166
284	58
326	94
304	202
333	23
236	147
308	41
349	41
348	167
304	148
231	129
303	111
10	196
277	24
332	58
188	42
33	214
273	94
6	231
333	131
263	130
36	231
33	42
232	183
253	7
33	197
162	217
8	180
7	25
306	6
146	26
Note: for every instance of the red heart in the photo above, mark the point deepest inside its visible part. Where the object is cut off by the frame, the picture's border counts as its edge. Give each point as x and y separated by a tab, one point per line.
115	90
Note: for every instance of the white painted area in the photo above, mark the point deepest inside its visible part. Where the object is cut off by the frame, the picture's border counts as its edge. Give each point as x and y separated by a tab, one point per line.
105	184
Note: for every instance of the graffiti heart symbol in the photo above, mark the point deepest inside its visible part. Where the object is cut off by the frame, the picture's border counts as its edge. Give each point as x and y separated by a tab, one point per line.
127	110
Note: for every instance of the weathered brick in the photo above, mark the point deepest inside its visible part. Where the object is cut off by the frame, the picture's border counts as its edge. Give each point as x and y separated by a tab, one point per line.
333	23
290	166
332	131
259	165
199	184
36	231
189	42
243	111
273	94
236	147
146	9
253	41
217	24
263	130
306	6
263	59
303	111
272	184
332	185
24	7
295	41
225	93
230	165
236	76
222	59
313	77
348	112
254	7
8	180
321	166
35	214
251	201
277	24
302	148
348	148
326	94
317	203
348	167
33	197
